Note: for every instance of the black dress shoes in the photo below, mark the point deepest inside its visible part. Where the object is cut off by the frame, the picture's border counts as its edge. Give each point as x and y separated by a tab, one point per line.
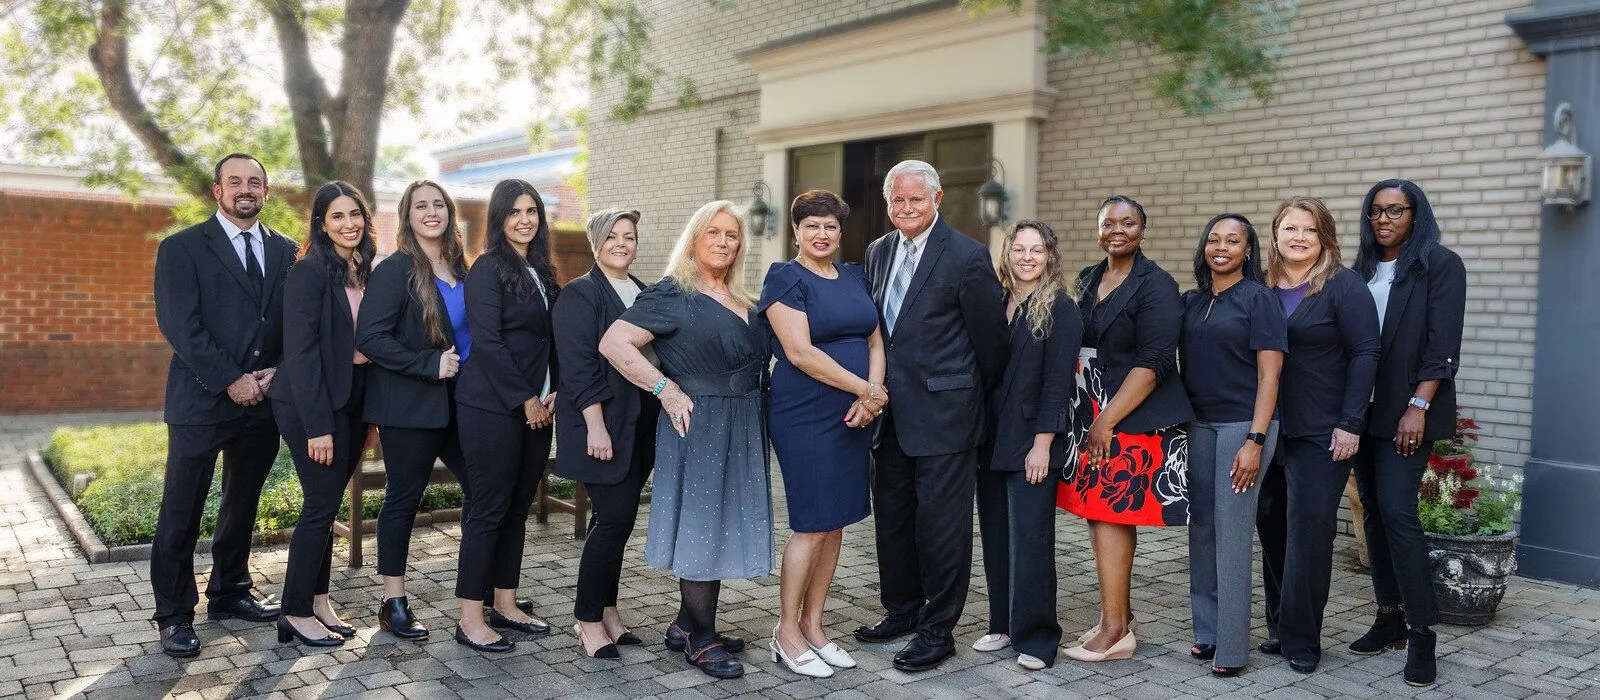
678	641
287	632
394	616
523	604
179	641
888	629
243	608
1302	665
345	631
1204	652
629	639
536	628
497	646
714	661
924	652
1271	646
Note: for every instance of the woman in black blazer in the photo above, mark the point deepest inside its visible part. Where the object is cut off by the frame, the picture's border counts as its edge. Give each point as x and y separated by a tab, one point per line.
317	399
1420	291
1033	431
1131	467
605	426
1326	381
414	328
505	401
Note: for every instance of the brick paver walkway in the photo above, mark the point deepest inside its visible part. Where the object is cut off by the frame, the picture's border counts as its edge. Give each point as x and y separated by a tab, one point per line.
71	629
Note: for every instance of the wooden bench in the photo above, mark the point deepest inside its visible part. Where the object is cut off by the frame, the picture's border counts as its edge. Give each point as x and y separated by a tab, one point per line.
371	476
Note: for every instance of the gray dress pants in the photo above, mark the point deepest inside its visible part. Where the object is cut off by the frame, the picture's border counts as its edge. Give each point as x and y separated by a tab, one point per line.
1221	524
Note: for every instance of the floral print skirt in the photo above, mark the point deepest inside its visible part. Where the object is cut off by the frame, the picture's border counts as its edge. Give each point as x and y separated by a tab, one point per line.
1146	481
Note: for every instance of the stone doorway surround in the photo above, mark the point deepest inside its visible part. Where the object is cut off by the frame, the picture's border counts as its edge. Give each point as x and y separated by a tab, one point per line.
923	68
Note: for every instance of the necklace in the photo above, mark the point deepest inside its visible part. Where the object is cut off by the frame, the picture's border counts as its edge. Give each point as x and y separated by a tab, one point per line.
824	275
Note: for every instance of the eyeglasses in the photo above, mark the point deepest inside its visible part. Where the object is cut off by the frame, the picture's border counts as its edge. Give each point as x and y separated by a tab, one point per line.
1394	211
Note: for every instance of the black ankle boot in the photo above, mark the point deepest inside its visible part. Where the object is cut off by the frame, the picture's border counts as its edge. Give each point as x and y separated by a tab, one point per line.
394	615
1420	667
1387	632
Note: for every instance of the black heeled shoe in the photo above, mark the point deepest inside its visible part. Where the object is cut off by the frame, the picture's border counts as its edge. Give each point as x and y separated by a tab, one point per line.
1271	646
286	632
608	651
678	641
1227	671
342	630
1204	652
628	639
536	628
497	646
1388	631
394	617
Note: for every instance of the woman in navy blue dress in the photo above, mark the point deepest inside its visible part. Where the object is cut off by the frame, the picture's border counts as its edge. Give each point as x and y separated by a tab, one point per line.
827	387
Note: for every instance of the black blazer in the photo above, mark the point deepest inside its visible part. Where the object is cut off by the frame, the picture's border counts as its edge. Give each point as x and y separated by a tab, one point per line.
948	349
218	326
403	386
587	308
1421	340
319	345
512	343
1035	394
1137	326
1333	354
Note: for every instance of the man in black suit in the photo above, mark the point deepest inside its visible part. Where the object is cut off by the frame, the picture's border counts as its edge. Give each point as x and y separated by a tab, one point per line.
942	311
219	303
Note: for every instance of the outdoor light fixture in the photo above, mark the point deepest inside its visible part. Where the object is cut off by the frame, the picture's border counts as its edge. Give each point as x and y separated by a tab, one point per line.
992	196
760	213
1568	170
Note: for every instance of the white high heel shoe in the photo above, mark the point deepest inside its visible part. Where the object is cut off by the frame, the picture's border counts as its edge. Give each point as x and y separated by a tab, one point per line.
991	642
832	655
806	664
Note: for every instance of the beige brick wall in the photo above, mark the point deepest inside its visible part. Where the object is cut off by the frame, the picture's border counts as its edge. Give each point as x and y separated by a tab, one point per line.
1437	92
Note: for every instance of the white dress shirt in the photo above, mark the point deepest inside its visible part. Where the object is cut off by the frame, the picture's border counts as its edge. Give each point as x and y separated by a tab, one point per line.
258	247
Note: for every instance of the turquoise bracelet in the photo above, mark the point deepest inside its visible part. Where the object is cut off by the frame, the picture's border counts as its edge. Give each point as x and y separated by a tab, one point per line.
659	386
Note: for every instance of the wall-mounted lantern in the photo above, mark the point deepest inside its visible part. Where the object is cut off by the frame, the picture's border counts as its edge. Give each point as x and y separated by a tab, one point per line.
1568	170
992	196
760	213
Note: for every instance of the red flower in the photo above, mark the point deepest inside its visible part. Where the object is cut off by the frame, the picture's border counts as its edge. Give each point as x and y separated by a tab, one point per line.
1464	499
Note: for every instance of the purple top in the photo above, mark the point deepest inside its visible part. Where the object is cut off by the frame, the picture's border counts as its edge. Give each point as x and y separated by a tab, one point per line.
1291	298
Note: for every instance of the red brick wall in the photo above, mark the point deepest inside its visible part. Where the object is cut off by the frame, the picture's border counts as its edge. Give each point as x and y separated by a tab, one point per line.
77	318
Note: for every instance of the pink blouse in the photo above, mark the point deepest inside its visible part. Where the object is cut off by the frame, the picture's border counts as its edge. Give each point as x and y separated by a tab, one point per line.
354	295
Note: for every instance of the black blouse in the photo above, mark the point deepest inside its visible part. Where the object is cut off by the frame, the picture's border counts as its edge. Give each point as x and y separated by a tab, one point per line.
1219	344
1333	355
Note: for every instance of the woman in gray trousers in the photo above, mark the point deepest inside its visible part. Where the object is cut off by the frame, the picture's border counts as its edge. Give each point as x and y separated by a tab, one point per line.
1233	341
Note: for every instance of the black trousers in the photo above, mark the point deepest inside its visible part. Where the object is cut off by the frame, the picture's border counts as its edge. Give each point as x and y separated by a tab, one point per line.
1401	571
1315	483
615	510
311	547
924	532
505	459
1272	528
1018	523
248	446
408	457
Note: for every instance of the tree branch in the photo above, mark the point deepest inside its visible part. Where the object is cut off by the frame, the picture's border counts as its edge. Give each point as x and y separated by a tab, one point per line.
109	56
309	100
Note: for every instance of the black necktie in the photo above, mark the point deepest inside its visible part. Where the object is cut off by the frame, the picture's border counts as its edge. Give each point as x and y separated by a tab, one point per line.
252	268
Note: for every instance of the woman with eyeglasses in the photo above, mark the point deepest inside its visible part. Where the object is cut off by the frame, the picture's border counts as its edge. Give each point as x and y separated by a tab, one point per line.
1419	288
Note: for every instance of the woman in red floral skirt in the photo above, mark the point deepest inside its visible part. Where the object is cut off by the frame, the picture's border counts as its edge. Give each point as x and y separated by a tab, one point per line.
1132	466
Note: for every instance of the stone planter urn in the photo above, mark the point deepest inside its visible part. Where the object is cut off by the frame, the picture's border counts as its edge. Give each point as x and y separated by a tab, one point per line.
1469	574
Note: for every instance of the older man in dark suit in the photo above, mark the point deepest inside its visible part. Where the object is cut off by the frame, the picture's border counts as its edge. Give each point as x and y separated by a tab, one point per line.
941	306
219	303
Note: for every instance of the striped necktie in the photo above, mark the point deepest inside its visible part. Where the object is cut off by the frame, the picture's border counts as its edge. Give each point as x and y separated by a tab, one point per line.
899	285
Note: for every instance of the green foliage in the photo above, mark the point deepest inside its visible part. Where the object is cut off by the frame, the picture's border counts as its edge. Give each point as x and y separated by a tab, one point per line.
1214	51
129	462
579	179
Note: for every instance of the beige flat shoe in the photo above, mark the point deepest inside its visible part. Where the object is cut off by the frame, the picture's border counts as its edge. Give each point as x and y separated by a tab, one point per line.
1123	649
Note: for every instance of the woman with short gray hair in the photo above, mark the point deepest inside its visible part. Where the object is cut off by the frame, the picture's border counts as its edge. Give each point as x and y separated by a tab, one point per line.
605	427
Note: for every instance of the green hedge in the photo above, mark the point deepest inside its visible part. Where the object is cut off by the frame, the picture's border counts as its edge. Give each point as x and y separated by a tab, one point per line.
128	461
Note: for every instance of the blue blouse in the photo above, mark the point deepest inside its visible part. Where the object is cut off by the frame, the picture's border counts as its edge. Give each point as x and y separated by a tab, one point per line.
455	304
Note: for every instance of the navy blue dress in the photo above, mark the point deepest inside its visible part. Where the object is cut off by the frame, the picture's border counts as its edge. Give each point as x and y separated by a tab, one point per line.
824	461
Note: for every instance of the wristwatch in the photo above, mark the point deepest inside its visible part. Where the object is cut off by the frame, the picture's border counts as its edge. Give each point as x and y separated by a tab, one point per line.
1418	402
1257	438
